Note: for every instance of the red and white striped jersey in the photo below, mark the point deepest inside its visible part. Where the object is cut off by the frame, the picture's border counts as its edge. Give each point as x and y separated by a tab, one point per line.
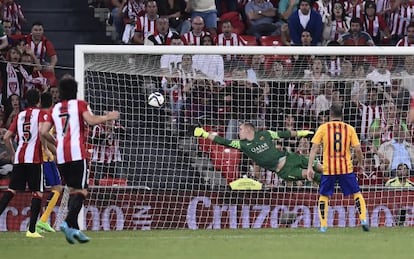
404	43
233	40
354	10
26	125
145	26
193	39
400	19
368	114
374	26
70	130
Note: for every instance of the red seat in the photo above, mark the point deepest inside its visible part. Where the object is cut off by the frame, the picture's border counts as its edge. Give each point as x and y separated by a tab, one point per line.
227	161
270	41
249	40
113	182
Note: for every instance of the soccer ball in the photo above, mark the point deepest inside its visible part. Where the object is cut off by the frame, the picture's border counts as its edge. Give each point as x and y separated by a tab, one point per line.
156	99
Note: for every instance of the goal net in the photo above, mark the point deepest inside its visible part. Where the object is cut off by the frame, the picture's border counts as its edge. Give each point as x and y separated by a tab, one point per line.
147	172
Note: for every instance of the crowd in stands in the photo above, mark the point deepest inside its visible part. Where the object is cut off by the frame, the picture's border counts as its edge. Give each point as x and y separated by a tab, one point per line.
375	91
26	61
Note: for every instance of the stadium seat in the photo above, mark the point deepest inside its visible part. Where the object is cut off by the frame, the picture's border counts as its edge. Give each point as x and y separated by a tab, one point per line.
227	161
113	182
270	41
249	40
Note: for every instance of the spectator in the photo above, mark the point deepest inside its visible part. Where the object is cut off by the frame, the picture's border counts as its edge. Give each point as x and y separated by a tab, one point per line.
305	19
381	130
317	75
210	65
354	8
169	63
5	30
286	8
116	8
408	39
336	24
302	100
11	109
228	38
407	74
163	34
375	25
175	12
54	93
13	75
261	15
207	10
402	178
370	174
244	99
329	94
194	36
146	24
12	11
355	36
396	151
399	20
131	11
381	75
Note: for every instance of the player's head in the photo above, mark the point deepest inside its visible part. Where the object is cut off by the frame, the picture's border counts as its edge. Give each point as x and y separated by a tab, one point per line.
32	97
68	89
336	111
46	100
246	130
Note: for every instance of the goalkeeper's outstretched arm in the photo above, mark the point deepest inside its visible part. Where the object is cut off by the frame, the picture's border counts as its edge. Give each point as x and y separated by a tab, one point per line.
200	132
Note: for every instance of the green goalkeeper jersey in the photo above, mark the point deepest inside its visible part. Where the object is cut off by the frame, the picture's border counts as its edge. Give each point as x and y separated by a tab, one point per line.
261	149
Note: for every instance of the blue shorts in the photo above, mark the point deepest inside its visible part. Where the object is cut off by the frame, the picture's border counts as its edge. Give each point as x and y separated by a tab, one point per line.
52	176
347	182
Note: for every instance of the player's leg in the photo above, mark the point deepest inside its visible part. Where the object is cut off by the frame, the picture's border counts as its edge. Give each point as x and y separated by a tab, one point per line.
349	185
17	183
292	170
76	176
326	189
35	182
52	179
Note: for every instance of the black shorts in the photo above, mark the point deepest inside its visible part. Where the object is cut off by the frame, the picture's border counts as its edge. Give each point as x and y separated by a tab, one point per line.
30	174
75	174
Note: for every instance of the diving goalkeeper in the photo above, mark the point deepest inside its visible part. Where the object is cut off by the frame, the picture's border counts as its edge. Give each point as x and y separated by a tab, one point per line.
259	146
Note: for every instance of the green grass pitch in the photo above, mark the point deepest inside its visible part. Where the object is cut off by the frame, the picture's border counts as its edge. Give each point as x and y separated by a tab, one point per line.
238	244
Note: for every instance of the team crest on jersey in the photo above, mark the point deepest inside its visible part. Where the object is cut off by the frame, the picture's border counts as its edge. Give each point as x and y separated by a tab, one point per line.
261	138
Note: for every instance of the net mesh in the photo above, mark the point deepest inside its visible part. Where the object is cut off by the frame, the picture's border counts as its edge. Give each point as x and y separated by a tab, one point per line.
177	181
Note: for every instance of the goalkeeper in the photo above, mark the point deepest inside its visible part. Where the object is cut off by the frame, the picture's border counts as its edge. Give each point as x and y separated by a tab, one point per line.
259	146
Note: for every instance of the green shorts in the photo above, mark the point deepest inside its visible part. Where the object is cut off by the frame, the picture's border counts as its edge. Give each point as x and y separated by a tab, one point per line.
295	163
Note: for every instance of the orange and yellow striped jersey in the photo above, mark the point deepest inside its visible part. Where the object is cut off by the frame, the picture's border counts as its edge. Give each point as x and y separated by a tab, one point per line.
45	158
337	138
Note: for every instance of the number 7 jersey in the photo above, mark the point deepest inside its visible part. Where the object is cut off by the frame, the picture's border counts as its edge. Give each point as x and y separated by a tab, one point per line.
70	128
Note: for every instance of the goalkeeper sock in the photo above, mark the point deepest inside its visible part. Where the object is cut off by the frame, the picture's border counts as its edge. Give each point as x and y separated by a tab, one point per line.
7	196
52	200
361	206
34	212
74	204
323	210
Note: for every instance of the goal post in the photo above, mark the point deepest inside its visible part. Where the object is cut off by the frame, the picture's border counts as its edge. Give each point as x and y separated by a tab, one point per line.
165	179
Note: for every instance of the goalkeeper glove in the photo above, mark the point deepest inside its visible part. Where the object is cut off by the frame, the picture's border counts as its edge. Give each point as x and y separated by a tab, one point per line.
304	133
200	132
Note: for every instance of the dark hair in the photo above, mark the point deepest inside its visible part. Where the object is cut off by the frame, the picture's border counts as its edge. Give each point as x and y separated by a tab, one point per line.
343	10
46	100
206	36
356	20
32	97
37	23
336	110
68	89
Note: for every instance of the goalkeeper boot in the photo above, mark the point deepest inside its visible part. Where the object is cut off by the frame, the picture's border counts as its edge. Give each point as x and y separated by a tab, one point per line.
44	226
69	232
364	224
33	235
323	229
81	237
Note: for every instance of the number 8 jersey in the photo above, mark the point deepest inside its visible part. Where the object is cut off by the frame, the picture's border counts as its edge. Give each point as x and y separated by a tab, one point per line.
70	128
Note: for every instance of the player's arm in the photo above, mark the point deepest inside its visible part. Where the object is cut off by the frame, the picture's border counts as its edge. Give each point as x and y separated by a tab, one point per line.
359	155
8	136
92	119
45	132
289	133
312	155
200	132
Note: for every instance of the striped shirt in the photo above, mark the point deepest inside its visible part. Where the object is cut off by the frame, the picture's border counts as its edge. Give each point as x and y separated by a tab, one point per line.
26	125
70	130
337	138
